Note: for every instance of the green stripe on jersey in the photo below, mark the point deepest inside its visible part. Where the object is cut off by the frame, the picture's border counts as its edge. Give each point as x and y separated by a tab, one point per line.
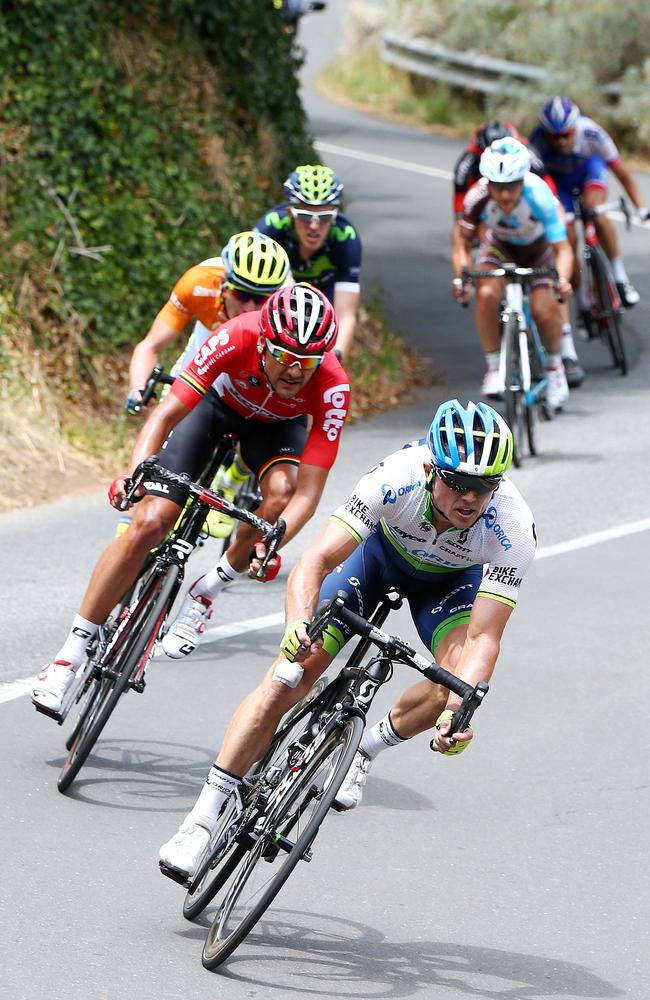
510	601
348	527
413	560
460	618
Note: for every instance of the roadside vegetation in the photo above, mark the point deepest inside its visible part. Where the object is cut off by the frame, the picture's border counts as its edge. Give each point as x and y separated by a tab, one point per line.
584	46
133	142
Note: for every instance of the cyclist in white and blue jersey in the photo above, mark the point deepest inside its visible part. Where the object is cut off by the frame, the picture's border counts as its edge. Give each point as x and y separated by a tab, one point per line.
578	154
519	221
438	519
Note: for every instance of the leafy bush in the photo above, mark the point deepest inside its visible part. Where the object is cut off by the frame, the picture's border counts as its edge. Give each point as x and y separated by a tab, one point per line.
583	44
150	132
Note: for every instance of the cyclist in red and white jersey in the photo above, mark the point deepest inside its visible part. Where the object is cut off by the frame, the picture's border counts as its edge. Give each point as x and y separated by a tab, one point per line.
259	375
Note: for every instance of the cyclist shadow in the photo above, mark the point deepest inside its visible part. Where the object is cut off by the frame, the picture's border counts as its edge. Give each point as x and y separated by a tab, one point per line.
140	775
324	956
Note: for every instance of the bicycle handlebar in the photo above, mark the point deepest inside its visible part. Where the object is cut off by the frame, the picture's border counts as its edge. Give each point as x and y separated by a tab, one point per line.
158	375
396	648
619	204
511	272
150	469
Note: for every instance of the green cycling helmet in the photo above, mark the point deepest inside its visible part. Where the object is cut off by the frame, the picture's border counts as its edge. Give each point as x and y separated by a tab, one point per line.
313	184
255	263
474	440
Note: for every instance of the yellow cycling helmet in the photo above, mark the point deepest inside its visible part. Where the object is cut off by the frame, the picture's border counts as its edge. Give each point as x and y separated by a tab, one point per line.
313	184
255	262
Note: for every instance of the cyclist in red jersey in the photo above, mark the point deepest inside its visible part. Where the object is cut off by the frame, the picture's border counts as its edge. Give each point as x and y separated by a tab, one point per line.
259	375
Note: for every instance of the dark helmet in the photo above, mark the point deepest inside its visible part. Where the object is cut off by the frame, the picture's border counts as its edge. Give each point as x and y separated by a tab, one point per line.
489	131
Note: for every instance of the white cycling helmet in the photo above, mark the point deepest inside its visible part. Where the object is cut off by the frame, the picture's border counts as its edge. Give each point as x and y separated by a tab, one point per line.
505	160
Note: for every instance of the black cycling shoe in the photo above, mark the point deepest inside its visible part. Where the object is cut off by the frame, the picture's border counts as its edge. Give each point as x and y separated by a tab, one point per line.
575	373
628	293
585	324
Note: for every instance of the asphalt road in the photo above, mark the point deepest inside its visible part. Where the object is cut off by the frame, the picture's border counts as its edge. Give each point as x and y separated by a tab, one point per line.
516	871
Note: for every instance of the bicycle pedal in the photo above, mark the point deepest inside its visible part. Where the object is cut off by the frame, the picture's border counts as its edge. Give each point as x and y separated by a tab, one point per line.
57	716
138	685
173	873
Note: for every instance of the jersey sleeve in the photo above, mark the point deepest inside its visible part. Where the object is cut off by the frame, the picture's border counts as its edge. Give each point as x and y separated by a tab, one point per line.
546	207
363	509
329	415
465	174
600	141
221	348
517	542
474	203
347	244
178	310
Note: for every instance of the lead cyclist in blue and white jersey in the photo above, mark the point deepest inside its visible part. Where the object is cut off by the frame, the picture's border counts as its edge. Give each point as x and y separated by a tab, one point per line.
520	221
578	153
437	519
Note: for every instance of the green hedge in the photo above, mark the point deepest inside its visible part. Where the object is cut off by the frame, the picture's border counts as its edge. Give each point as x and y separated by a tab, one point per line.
164	126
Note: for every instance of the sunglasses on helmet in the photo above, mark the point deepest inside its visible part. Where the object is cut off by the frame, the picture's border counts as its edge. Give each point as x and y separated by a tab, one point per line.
287	358
461	482
243	294
322	218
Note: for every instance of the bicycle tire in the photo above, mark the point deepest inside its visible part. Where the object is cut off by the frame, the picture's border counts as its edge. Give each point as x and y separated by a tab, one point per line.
345	739
213	872
137	637
608	317
513	393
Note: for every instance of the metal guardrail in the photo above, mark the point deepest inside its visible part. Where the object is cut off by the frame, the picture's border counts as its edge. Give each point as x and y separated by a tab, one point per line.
469	69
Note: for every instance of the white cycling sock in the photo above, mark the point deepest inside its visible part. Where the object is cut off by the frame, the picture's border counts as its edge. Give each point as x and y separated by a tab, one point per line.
380	737
567	347
73	649
214	581
618	270
492	360
553	361
219	786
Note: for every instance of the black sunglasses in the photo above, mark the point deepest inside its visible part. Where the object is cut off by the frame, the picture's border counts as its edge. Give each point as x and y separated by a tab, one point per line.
461	482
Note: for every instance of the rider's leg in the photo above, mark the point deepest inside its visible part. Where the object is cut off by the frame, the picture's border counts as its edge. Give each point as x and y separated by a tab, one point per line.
488	298
548	317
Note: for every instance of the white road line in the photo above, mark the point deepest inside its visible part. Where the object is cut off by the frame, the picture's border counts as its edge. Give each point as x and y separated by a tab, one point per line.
420	168
16	689
595	538
384	161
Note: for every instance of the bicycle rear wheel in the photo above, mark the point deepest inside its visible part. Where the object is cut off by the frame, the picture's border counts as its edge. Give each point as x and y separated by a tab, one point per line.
607	314
300	812
514	396
222	856
129	651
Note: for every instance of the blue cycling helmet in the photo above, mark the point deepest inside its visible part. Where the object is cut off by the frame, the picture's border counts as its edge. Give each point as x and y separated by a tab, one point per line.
474	440
559	114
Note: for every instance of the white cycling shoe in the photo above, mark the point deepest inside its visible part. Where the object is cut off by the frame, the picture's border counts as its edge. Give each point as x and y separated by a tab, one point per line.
350	793
557	387
184	851
492	384
52	685
186	631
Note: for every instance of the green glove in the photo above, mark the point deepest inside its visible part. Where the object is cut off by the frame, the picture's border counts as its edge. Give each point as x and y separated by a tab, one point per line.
458	747
290	642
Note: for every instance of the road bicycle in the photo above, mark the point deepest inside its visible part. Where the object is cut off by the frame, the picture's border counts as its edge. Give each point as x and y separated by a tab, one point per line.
603	317
522	359
269	824
248	495
119	656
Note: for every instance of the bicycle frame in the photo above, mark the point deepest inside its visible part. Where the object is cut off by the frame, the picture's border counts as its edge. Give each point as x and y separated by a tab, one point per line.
516	303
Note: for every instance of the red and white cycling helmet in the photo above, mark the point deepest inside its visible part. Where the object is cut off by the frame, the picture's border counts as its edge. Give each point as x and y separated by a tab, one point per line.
299	316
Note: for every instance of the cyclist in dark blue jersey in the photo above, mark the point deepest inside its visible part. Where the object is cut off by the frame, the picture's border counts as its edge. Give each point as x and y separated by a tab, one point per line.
324	247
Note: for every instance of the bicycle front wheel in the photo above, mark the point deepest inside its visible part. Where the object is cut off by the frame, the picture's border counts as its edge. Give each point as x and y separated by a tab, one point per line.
608	317
286	839
131	650
514	393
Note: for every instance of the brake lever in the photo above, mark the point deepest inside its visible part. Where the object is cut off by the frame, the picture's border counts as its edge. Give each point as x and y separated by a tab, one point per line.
272	544
136	480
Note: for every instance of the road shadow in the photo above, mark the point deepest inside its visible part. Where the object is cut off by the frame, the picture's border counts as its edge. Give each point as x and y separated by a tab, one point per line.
316	955
141	775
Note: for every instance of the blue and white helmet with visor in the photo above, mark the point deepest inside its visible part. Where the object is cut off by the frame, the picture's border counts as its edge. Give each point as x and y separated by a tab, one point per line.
471	447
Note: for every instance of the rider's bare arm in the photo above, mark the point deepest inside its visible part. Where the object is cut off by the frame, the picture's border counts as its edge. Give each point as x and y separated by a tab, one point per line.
333	546
480	650
153	434
309	487
627	181
147	352
346	305
564	264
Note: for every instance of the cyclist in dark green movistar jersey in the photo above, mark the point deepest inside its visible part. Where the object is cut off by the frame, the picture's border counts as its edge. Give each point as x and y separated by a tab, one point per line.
323	246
